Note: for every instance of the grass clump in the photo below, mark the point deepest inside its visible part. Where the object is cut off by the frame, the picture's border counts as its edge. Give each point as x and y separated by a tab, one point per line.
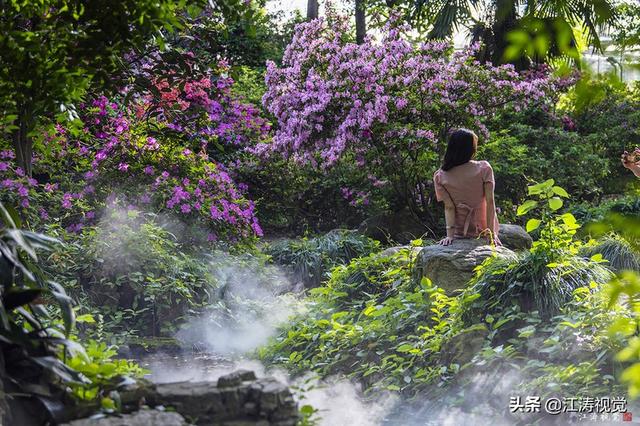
533	281
310	259
617	251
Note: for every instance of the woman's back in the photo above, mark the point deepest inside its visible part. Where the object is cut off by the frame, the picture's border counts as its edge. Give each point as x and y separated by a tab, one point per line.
464	184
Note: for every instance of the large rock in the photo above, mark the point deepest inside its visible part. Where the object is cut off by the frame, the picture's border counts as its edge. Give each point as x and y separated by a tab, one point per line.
400	227
451	267
139	418
515	237
237	398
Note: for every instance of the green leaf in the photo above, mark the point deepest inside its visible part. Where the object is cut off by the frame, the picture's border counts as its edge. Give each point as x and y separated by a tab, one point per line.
540	188
527	206
569	219
86	318
526	331
14	298
533	224
404	348
307	410
555	203
626	326
560	191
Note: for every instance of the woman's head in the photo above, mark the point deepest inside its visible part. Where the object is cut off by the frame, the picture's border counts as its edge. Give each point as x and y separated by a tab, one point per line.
462	146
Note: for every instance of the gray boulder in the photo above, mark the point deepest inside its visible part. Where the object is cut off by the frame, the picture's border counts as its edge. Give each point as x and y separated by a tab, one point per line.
514	237
237	398
451	267
139	418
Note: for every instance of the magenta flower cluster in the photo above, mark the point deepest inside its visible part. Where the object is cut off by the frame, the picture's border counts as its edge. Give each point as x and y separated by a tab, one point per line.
121	155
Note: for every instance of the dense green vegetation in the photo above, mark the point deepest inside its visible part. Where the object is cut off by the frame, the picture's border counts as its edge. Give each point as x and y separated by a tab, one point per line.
546	312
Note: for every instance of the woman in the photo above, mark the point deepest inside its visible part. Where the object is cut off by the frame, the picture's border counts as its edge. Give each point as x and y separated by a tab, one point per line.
466	187
632	161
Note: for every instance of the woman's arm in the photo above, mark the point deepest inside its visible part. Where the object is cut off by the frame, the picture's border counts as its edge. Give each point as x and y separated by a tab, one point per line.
449	208
450	220
492	217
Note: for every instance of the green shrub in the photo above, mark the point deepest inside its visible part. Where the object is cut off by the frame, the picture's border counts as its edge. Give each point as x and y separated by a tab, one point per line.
381	331
105	372
141	278
33	339
310	259
590	213
540	320
43	360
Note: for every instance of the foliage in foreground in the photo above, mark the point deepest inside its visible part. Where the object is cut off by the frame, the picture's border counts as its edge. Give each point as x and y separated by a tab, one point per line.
29	340
372	323
542	318
39	344
375	334
625	289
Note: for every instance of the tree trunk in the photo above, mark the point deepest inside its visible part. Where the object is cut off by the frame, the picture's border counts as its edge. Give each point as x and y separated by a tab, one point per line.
361	23
22	141
312	9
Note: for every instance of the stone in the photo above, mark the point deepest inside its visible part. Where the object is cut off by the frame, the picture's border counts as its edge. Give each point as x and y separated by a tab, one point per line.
451	267
461	348
273	394
138	418
135	393
236	378
251	408
192	399
237	398
399	227
514	237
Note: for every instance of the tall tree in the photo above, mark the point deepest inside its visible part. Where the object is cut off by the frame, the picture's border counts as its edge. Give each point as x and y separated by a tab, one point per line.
549	18
51	51
312	9
361	23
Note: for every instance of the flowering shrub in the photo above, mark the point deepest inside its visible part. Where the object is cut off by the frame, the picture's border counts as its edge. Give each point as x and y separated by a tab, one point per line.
387	106
152	152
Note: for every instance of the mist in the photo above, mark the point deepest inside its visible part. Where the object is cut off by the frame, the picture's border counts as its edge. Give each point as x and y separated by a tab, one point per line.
252	300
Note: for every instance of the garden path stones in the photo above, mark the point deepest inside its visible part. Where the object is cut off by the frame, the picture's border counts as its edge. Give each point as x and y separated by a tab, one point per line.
451	267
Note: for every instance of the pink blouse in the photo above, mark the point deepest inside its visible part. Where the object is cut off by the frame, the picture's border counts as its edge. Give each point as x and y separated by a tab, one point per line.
465	186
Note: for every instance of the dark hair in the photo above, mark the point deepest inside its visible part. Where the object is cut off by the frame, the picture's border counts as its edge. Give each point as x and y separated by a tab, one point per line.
462	146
